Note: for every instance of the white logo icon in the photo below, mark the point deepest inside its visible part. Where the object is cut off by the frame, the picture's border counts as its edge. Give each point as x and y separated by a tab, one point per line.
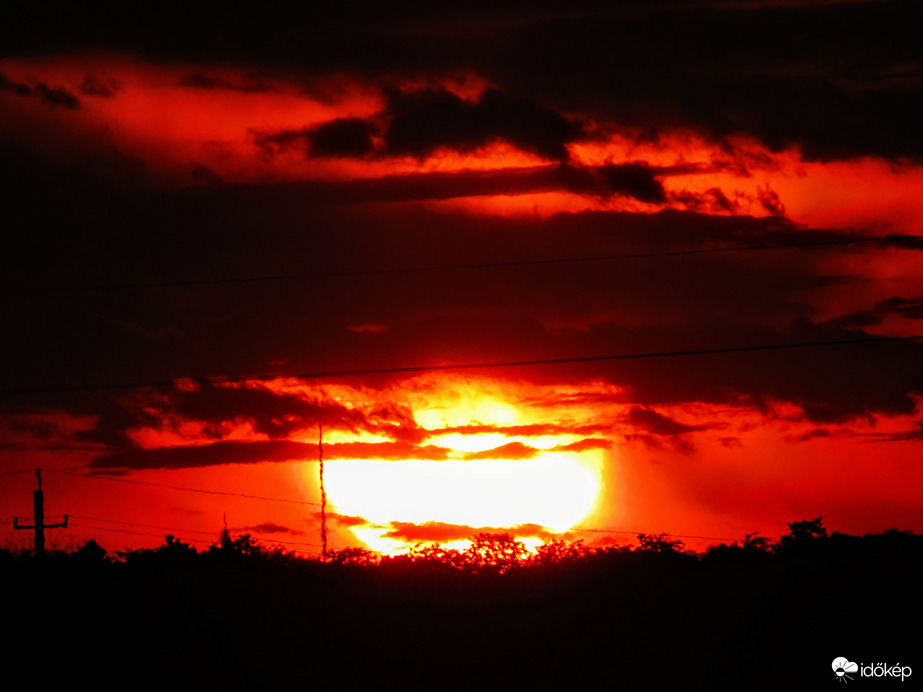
841	666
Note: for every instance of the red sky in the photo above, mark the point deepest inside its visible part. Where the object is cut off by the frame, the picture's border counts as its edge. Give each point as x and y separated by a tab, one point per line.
418	190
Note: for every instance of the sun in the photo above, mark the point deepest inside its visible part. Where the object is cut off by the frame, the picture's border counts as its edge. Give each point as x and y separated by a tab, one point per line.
554	491
476	487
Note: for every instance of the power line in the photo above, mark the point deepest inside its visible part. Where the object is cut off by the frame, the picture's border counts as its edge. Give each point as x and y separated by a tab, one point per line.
204	491
186	531
283	542
329	374
135	533
314	545
301	502
182	488
190	540
268	278
10	473
646	533
146	526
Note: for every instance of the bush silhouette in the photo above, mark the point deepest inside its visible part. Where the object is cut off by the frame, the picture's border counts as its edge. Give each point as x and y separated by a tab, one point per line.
494	552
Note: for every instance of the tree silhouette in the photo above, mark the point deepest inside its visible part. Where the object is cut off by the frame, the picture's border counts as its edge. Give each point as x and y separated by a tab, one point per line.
242	545
803	535
558	552
352	556
494	552
90	553
755	544
659	543
436	554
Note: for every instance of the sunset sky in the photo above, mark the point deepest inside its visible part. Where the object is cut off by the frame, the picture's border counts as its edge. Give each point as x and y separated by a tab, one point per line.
225	227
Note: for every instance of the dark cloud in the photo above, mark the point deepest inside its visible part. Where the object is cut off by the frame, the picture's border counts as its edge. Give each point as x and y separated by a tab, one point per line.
93	86
831	384
817	76
509	313
44	429
712	201
628	180
657	423
658	443
341	137
204	175
439	532
511	450
197	80
215	454
528	430
585	444
278	415
659	432
389	451
635	180
909	309
275	415
270	528
342	519
236	452
246	82
771	201
906	243
839	79
430	532
272	143
53	96
423	121
6	84
813	434
70	226
57	96
912	435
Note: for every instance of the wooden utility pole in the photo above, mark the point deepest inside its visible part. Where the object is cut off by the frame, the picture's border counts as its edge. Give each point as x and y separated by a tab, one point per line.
38	518
323	492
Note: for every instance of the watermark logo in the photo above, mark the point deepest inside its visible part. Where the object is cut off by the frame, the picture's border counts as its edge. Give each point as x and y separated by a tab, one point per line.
842	667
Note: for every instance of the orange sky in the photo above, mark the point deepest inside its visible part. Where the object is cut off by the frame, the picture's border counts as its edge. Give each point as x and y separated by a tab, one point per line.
430	191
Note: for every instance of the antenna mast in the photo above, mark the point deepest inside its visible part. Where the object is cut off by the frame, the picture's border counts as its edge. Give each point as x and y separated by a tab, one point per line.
323	492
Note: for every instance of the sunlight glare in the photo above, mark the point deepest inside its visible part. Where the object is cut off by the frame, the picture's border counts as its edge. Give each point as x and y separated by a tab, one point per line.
553	490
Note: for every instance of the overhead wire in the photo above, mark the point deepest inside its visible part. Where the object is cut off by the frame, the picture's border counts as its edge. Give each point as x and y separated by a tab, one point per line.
486	365
177	531
135	533
357	273
181	488
303	502
430	368
146	526
649	533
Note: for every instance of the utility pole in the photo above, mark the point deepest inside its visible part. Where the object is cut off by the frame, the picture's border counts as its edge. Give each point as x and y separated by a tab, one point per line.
38	518
323	492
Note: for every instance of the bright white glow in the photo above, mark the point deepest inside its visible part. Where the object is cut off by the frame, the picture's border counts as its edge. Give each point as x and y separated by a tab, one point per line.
553	490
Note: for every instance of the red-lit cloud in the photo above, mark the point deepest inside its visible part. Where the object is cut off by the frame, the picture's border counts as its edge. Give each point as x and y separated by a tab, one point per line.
381	194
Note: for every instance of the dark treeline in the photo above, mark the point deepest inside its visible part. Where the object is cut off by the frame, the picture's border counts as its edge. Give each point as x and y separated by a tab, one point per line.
751	615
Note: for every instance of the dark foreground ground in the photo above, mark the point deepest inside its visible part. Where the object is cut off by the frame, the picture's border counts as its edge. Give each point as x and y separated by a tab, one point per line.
735	618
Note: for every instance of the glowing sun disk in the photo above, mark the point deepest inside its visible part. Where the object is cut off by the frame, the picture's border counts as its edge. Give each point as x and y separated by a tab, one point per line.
553	490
